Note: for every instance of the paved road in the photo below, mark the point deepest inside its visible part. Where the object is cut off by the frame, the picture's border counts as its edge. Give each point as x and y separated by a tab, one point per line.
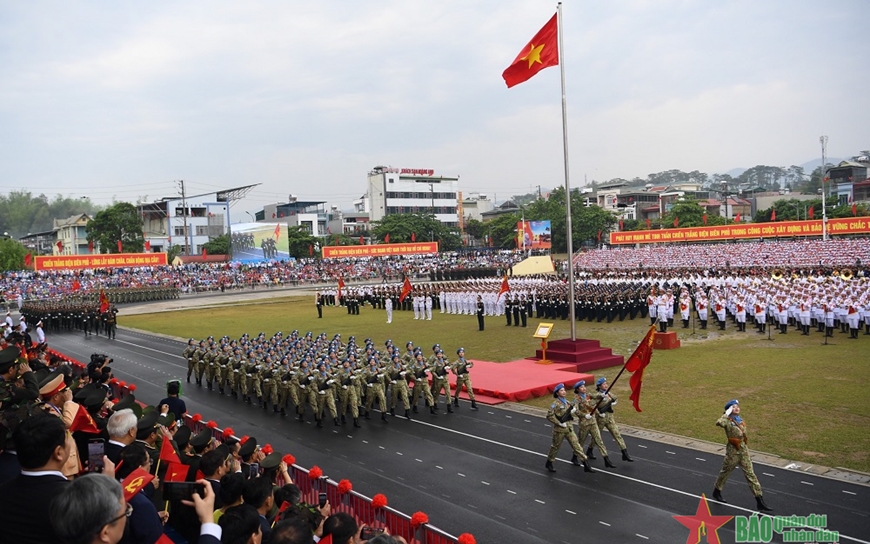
482	472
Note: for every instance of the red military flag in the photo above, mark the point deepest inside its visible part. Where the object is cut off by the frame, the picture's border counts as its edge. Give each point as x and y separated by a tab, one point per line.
148	245
705	218
811	212
59	245
134	482
167	452
541	52
505	287
204	253
28	259
277	231
387	238
104	302
636	365
773	215
621	225
340	285
82	421
361	241
676	221
120	247
737	219
406	289
91	246
413	236
854	209
648	223
175	472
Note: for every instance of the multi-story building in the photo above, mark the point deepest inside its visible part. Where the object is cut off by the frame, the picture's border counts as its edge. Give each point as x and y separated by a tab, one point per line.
190	222
311	215
71	234
411	190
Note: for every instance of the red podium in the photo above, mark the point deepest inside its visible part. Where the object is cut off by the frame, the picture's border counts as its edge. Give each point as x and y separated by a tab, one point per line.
666	340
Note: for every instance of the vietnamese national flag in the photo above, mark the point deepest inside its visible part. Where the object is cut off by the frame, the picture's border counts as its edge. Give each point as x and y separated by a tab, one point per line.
134	483
28	259
148	245
387	238
406	288
76	285
854	209
340	285
310	250
541	52
636	365
676	221
811	212
647	223
104	302
204	253
705	218
82	421
773	215
91	246
167	452
505	287
621	225
599	236
175	472
59	246
413	236
361	241
120	247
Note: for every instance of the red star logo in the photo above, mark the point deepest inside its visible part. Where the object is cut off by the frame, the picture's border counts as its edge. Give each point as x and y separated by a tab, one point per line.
703	523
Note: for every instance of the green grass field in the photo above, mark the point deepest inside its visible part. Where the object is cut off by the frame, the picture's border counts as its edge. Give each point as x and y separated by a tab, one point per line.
802	400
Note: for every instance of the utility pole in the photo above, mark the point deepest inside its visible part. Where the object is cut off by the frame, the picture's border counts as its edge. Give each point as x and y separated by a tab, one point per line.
539	192
824	141
184	215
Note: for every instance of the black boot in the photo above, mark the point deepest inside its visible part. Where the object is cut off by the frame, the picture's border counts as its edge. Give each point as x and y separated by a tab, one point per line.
717	496
414	409
759	501
625	456
607	462
549	466
266	406
275	408
367	416
586	467
574	461
432	411
589	453
449	408
300	416
319	423
356	423
685	323
283	412
473	405
407	414
343	420
384	417
336	422
456	401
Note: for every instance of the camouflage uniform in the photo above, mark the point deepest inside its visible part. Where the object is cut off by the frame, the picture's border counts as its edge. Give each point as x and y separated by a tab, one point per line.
558	411
606	419
460	368
347	379
375	388
419	370
440	367
198	363
188	354
588	426
269	377
736	453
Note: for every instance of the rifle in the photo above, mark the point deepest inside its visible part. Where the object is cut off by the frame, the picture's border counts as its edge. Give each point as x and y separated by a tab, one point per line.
566	417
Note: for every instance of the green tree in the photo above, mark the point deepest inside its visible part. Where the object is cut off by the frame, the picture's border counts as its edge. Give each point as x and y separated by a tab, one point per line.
173	252
117	222
475	229
22	213
218	246
299	241
424	227
502	230
342	240
11	254
689	213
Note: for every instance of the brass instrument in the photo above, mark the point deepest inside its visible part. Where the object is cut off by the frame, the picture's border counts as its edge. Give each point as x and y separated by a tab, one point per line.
835	273
777	273
845	274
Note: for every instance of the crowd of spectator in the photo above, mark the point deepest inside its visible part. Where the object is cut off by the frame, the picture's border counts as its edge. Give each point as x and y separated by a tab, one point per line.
773	253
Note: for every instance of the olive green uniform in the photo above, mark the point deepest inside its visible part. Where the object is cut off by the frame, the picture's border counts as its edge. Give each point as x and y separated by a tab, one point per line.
736	453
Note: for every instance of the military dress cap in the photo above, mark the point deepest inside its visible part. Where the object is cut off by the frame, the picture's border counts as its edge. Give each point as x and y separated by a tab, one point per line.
52	385
167	419
8	357
182	436
127	402
558	388
202	438
271	461
731	403
148	421
82	393
224	451
248	447
95	397
578	384
600	380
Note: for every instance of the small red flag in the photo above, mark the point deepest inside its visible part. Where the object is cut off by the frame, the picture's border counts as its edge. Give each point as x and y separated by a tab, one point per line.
773	215
542	52
705	218
204	253
812	212
76	285
505	287
637	363
676	221
175	472
413	236
59	246
737	219
387	238
104	302
621	225
647	223
82	421
340	285
134	483
361	241
599	236
91	246
148	245
167	452
310	250
120	246
854	209
28	259
406	289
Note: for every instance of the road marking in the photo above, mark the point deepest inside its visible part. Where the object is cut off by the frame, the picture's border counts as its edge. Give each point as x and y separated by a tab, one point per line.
641	536
670	452
399	453
381	447
418	460
365	441
605	524
511	492
540	501
509	417
461	474
641	446
849	492
527	420
484	483
806	483
699	459
439	468
570	512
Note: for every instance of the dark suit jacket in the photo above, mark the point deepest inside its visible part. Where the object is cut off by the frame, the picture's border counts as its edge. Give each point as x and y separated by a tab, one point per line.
113	452
216	487
24	504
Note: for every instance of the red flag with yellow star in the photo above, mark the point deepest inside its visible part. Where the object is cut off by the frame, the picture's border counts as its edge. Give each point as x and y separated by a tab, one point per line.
542	52
175	472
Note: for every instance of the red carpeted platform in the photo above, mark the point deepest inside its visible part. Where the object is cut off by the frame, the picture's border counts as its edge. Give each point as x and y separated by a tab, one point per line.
516	381
585	355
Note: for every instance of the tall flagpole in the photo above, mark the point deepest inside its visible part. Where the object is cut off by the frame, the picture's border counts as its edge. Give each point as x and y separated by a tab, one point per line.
568	226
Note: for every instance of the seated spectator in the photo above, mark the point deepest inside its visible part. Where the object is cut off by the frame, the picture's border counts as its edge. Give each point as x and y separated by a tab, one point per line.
258	493
91	510
122	428
145	523
241	525
232	487
43	450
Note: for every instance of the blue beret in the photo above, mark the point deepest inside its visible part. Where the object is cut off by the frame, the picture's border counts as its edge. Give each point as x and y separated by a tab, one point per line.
460	349
600	380
731	403
578	384
558	388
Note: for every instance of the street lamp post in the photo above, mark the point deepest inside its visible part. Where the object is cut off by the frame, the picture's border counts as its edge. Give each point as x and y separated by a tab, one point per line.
725	198
824	141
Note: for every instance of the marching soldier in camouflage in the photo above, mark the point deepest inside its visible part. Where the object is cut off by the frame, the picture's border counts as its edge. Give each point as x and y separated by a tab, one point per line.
439	368
420	372
737	453
210	363
373	377
324	383
585	412
347	380
397	375
606	401
460	368
198	362
269	379
559	415
188	354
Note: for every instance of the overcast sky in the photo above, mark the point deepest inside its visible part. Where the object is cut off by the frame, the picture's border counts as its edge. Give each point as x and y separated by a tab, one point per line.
118	99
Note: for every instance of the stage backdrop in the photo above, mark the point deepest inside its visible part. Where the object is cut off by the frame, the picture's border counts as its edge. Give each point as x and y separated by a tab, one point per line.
785	229
108	260
380	250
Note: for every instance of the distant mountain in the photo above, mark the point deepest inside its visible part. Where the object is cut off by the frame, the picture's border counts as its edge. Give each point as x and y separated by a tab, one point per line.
807	166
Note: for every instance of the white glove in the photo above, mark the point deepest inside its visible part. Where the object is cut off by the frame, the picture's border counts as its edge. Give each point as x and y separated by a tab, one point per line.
588	416
370	385
729	410
402	373
563	425
601	415
381	376
330	382
613	403
344	387
321	392
302	386
310	378
393	382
